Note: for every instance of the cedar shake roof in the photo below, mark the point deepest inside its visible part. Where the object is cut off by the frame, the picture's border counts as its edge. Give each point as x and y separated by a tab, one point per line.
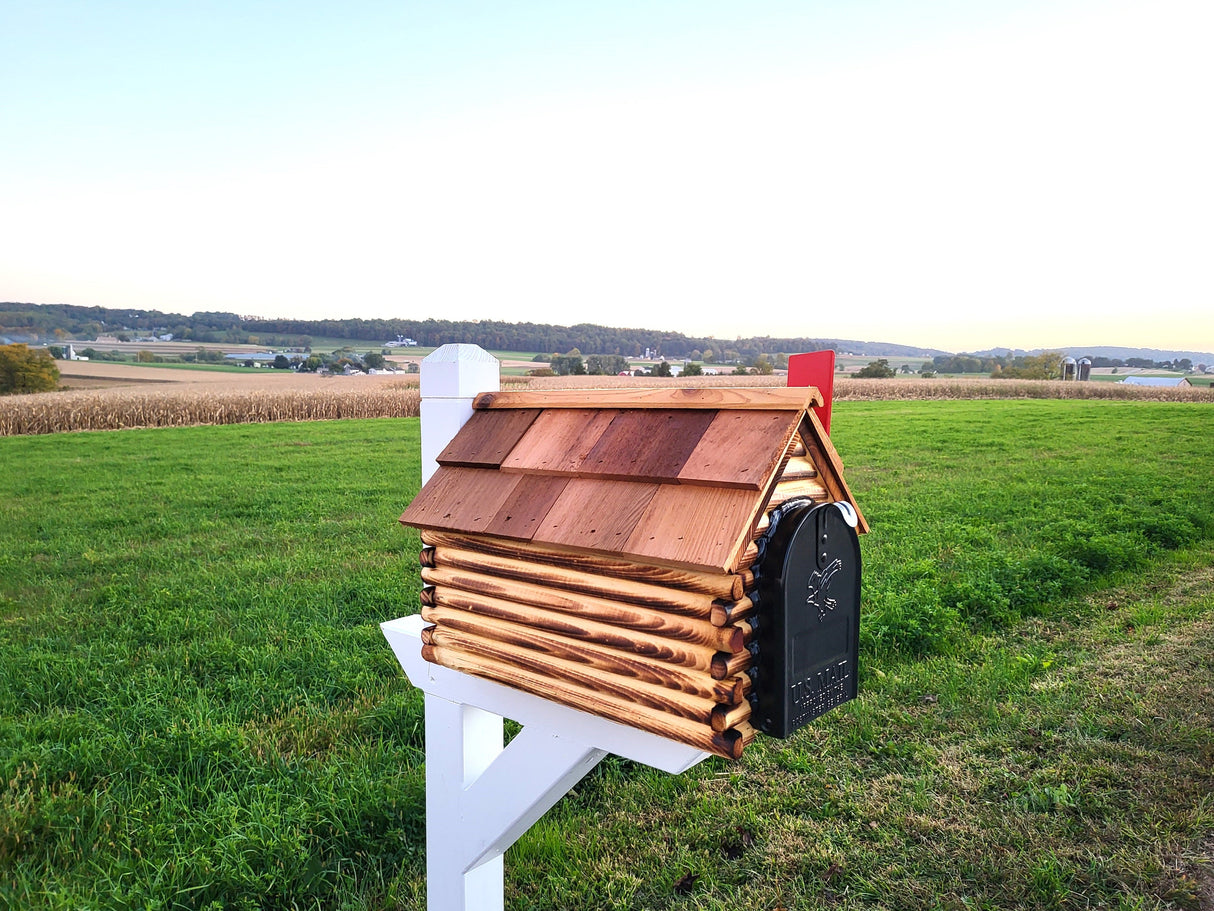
677	477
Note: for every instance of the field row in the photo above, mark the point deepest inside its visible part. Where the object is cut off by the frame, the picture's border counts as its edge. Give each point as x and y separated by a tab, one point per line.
181	406
277	396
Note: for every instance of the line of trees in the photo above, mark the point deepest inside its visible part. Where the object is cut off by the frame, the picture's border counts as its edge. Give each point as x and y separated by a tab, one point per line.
54	322
992	364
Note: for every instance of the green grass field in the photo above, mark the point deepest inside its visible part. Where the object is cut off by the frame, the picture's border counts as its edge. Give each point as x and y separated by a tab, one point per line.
197	709
179	365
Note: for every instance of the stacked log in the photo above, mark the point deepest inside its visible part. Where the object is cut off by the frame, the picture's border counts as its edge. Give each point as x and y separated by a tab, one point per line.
660	649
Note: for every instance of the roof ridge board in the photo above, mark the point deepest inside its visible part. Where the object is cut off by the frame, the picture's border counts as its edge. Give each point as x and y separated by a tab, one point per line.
722	398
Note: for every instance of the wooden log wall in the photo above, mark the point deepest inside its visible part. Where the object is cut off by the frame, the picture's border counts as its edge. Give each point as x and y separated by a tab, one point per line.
668	658
659	649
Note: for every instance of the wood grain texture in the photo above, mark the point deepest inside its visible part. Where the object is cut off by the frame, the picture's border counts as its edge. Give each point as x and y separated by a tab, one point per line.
718	585
740	449
657	648
744	564
702	528
727	612
647	445
701	736
798	468
724	666
487	438
615	612
464	499
559	441
724	717
595	515
641	594
527	506
776	399
649	695
728	691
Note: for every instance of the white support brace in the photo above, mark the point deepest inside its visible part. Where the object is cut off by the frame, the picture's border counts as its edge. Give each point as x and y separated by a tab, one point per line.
480	797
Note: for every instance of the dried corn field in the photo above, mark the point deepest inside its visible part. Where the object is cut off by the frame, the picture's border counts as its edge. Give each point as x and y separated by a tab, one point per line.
853	389
185	404
177	398
987	388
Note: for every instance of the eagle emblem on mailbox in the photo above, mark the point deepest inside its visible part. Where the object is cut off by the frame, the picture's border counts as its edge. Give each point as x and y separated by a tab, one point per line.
819	588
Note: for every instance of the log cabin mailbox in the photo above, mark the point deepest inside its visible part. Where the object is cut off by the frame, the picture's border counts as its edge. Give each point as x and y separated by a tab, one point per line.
681	561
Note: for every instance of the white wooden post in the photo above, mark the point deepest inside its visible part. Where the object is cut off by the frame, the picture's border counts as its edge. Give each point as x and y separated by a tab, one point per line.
452	376
480	797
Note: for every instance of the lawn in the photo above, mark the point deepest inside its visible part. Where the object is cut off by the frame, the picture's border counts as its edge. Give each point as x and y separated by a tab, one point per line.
197	708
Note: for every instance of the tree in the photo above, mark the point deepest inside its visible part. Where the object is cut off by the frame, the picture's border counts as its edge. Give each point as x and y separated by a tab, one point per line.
877	370
692	370
1032	367
568	364
23	369
607	364
374	360
281	362
662	369
763	365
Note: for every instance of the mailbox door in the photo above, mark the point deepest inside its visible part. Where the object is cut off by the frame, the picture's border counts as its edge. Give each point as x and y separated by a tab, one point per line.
809	618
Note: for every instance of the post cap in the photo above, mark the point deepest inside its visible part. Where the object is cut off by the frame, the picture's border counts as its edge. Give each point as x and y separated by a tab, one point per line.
459	371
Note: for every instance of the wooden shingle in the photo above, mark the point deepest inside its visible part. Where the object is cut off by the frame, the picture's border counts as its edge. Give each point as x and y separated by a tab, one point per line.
740	449
595	514
647	445
460	499
559	441
487	438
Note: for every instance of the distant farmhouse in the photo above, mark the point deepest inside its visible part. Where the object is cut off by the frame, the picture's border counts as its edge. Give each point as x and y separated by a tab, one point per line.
1156	381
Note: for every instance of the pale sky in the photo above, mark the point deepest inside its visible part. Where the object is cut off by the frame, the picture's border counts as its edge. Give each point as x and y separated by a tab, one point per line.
945	173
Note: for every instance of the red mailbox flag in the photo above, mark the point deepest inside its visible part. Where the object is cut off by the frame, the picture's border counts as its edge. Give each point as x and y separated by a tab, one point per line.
815	368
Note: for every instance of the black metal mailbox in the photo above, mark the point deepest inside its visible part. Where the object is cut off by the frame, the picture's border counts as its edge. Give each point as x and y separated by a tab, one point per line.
807	641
